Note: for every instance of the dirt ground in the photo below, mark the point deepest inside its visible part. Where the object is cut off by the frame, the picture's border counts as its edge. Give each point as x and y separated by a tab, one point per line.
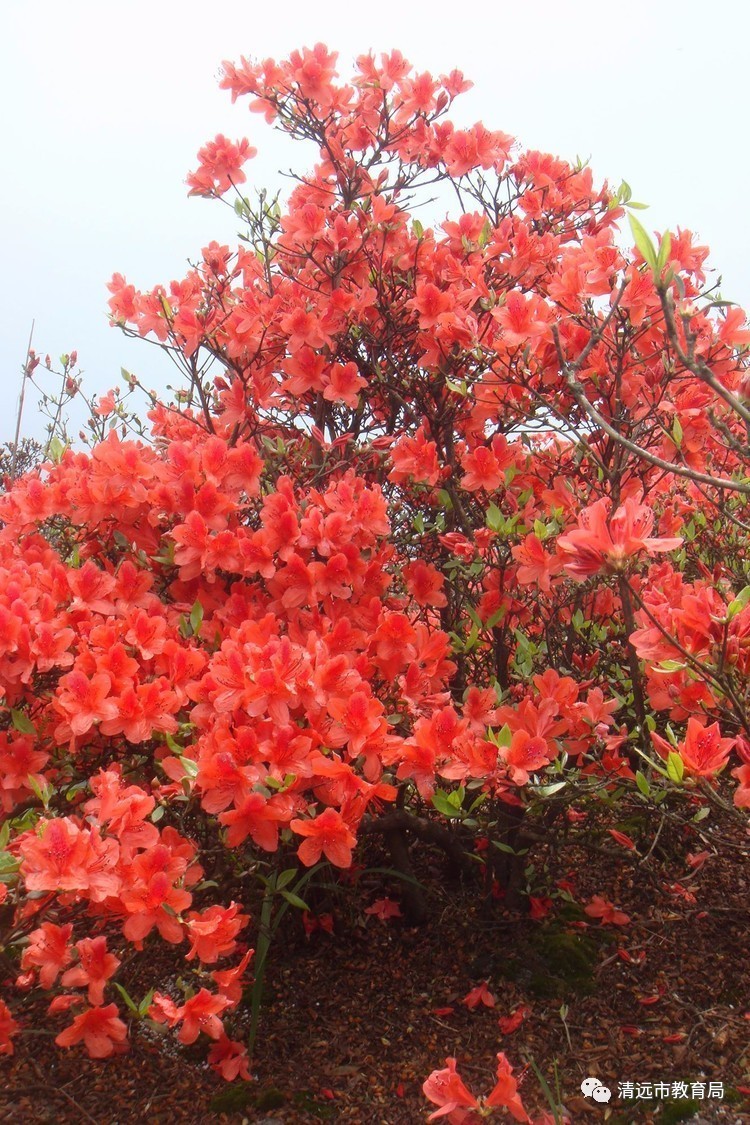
354	1021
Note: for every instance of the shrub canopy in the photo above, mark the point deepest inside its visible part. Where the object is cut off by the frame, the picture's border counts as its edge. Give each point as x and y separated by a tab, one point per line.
442	536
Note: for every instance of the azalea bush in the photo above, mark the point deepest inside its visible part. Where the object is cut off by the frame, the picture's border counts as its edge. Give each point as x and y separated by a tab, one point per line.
440	543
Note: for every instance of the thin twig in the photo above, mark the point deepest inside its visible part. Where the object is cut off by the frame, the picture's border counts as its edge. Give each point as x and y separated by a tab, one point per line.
20	404
655	840
578	393
64	1092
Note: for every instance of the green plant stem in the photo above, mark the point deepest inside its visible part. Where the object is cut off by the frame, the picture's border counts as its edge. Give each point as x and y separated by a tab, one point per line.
21	398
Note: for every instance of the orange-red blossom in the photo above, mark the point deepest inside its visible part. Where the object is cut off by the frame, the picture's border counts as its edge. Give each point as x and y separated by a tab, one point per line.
599	543
328	835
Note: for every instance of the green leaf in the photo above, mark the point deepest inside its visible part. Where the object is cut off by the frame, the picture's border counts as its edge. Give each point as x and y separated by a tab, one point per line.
738	604
190	767
494	518
642	783
285	878
667	666
675	767
74	790
128	1000
295	900
552	1102
56	450
444	804
643	242
145	1003
504	736
677	432
9	865
43	792
665	248
22	722
167	559
496	617
548	790
478	801
196	617
471	640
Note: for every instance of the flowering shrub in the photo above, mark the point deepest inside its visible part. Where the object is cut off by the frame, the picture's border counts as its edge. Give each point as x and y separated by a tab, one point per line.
443	524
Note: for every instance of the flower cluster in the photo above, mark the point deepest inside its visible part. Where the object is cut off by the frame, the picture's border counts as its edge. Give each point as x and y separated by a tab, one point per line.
385	561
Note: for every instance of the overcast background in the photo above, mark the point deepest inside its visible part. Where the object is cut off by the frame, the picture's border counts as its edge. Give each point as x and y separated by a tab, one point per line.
105	105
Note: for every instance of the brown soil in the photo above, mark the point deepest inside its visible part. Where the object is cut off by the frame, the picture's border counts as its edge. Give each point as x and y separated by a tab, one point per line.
350	1030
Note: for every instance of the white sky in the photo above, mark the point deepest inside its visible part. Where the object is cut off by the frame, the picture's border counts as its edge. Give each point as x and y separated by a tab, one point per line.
106	105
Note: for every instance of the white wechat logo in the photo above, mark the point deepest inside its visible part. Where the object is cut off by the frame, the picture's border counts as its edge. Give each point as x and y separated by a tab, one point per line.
593	1088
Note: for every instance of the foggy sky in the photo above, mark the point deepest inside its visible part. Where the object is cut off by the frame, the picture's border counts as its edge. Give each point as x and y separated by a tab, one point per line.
106	105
